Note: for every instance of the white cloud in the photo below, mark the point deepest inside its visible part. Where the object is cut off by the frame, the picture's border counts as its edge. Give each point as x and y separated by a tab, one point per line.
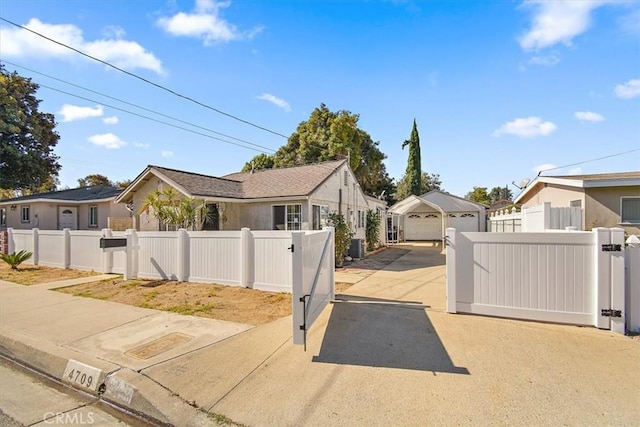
113	120
589	116
122	53
557	21
166	153
545	60
113	32
628	90
527	127
205	23
107	140
275	101
140	145
544	167
73	112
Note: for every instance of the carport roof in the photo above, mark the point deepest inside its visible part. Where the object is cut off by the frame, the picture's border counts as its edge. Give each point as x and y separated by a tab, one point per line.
442	202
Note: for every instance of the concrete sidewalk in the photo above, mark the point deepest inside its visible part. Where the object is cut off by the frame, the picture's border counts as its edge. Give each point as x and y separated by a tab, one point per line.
386	354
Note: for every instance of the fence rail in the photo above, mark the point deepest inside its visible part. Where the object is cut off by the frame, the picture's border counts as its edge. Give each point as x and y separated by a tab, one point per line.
535	219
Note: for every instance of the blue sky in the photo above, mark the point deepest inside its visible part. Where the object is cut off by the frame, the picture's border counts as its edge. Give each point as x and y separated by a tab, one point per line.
499	89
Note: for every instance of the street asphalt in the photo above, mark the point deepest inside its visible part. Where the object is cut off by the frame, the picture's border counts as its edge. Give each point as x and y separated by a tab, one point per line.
386	353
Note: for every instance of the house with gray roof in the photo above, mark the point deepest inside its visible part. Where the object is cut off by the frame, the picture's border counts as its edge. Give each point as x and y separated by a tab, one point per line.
293	198
83	208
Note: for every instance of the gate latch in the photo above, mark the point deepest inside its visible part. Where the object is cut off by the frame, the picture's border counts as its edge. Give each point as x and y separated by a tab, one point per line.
608	312
611	247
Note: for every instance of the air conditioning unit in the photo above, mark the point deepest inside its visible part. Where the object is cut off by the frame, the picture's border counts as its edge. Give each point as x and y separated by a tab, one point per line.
356	250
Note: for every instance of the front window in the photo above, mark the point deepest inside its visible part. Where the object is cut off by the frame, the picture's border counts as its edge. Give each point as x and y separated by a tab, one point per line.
361	219
287	217
26	214
93	216
630	210
320	216
3	216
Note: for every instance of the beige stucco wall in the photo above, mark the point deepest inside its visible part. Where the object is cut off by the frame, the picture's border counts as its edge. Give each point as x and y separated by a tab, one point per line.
559	196
602	207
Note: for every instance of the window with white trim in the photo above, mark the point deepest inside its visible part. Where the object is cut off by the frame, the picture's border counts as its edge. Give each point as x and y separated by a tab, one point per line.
320	216
93	216
361	219
25	214
287	217
630	210
3	216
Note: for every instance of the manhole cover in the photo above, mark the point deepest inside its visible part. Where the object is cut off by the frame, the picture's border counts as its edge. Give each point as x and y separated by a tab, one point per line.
160	345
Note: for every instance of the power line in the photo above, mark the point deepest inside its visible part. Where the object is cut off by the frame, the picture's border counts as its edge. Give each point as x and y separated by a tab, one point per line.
154	120
589	161
171	91
137	106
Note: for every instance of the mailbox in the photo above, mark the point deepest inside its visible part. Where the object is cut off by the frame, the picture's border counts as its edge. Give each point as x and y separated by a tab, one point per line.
113	242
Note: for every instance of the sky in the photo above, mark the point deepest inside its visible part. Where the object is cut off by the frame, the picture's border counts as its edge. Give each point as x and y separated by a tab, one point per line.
500	90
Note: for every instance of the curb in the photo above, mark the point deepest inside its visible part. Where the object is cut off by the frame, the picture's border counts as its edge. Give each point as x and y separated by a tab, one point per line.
121	387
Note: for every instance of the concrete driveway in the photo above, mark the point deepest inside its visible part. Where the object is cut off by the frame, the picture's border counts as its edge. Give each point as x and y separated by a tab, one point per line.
388	354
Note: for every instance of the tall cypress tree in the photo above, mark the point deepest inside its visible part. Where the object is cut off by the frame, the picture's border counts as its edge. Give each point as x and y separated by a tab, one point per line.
414	168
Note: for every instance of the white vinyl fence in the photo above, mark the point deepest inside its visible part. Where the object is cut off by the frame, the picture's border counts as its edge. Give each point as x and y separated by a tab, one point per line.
535	219
254	259
566	277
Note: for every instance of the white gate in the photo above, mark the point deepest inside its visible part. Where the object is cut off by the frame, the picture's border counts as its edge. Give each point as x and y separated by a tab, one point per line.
565	277
313	284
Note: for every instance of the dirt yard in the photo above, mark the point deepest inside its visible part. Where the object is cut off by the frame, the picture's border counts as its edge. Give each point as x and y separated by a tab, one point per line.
28	274
230	303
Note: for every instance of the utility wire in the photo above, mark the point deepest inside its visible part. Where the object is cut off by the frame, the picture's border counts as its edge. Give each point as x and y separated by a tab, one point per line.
589	161
152	119
138	106
171	91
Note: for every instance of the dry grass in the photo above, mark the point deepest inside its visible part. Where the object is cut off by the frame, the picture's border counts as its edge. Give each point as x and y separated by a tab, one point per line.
229	303
28	274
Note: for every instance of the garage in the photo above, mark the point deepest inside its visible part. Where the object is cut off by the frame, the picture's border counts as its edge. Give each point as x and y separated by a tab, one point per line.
427	217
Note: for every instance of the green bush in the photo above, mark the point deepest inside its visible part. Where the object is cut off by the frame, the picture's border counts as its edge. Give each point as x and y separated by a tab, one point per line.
372	230
342	236
16	258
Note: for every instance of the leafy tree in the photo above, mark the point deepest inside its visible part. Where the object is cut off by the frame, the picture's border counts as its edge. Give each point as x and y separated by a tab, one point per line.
259	162
342	236
414	168
428	182
329	135
372	230
173	210
27	137
479	195
500	193
95	179
122	184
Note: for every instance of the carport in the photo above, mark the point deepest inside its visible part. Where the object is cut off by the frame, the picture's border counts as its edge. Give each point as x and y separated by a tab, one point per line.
426	217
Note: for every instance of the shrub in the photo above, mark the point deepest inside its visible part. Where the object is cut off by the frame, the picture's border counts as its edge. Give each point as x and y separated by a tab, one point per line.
16	258
342	236
372	230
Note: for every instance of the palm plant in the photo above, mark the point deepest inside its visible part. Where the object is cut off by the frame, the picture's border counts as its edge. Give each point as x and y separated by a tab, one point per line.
173	210
16	258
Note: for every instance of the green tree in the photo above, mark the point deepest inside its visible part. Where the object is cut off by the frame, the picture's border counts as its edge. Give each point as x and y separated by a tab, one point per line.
428	182
414	167
122	184
479	195
94	179
329	135
27	137
372	230
173	210
500	193
342	236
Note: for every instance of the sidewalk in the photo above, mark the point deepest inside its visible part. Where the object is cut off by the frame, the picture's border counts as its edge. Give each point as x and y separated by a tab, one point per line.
386	354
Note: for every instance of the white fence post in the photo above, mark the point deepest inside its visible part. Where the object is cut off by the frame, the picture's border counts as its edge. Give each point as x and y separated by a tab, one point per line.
632	264
450	238
617	281
183	255
36	247
297	288
66	244
131	255
107	256
602	277
11	245
247	255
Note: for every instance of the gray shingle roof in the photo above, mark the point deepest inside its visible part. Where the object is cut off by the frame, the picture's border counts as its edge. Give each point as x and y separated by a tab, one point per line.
81	194
203	185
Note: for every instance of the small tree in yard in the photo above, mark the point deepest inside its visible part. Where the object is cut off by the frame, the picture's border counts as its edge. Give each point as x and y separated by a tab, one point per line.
16	258
342	237
173	210
372	230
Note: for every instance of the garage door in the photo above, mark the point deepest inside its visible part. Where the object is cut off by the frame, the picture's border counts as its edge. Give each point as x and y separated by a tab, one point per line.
423	226
464	221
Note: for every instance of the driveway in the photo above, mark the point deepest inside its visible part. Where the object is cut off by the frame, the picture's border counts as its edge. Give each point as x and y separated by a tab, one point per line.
388	354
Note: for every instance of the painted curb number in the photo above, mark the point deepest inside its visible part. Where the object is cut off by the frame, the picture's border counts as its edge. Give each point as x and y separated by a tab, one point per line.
82	375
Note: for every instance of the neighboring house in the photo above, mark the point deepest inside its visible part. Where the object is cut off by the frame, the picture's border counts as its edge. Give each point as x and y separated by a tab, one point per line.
83	208
607	200
294	198
427	217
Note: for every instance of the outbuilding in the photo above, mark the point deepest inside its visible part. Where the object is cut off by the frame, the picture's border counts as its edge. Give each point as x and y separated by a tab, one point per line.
426	217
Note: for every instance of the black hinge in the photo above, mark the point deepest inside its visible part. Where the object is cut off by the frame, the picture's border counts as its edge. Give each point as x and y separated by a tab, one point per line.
292	248
608	312
611	247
